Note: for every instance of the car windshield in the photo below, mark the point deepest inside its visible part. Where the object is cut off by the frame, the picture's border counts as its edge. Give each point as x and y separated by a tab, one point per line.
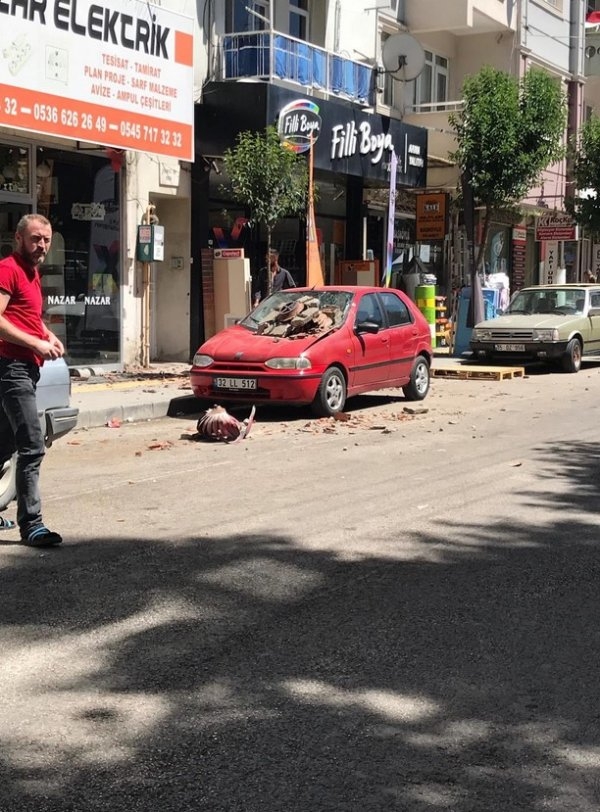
563	301
296	314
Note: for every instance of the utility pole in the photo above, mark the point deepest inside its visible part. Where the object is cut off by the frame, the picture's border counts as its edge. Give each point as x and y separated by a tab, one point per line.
148	219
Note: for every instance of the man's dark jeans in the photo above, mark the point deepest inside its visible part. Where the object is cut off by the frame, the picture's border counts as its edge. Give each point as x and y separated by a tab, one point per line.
20	430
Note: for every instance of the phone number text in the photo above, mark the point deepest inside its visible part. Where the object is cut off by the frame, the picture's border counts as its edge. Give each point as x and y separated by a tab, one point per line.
94	123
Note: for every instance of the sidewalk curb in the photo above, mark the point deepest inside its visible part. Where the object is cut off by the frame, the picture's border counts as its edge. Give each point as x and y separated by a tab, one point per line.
97	416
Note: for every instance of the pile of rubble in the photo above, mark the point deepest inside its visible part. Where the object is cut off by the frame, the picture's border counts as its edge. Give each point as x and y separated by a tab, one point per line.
300	318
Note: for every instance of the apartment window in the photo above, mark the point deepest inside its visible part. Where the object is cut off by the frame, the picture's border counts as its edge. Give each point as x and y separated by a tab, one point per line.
556	4
385	80
431	87
239	16
299	19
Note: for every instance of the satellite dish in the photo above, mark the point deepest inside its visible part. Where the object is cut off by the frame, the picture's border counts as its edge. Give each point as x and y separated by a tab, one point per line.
403	57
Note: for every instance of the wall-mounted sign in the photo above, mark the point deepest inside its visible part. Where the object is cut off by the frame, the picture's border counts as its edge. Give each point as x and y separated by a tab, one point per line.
352	141
298	124
228	253
432	216
114	74
88	211
556	225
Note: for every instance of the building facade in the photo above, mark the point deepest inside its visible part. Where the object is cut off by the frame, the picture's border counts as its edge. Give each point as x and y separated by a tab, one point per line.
259	58
458	39
96	120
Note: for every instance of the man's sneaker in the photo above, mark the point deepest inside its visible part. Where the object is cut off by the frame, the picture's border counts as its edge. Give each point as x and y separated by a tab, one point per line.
40	536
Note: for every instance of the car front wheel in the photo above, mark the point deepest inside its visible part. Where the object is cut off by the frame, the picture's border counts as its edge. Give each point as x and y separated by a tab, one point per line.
571	361
418	386
331	394
8	483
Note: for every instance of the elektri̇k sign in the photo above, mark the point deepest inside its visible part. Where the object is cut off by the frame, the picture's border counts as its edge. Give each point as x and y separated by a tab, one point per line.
113	73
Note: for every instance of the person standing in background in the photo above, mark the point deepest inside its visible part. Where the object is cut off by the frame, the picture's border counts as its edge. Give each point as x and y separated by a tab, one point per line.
280	278
25	343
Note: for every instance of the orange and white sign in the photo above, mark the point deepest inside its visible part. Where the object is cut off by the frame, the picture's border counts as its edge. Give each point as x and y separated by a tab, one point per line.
113	73
432	216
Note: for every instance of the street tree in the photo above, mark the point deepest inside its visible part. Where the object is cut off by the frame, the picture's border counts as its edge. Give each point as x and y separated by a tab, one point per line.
585	155
268	178
508	131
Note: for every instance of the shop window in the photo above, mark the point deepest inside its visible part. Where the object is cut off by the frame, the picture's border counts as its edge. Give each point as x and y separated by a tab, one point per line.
81	278
15	170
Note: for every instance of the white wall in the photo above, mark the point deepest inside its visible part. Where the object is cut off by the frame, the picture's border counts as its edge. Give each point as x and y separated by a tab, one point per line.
153	179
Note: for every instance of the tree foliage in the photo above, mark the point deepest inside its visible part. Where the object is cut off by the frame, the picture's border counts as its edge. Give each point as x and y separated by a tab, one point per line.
270	180
585	152
507	132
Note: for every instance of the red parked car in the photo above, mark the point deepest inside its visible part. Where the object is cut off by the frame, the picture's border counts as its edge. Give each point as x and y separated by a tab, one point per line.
318	346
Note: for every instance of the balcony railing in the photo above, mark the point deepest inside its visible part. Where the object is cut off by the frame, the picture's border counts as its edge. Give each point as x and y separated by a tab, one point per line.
436	107
271	56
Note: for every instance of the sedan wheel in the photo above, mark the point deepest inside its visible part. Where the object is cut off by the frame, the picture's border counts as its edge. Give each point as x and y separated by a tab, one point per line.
331	395
571	361
8	485
418	386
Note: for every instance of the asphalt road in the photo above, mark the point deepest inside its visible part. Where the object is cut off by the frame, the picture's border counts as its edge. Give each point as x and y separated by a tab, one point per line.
392	612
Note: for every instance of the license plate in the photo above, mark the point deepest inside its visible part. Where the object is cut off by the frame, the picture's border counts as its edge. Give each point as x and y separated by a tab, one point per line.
235	383
509	347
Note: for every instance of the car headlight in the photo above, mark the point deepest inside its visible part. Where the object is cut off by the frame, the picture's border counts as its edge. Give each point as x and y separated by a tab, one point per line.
480	334
201	360
288	363
546	335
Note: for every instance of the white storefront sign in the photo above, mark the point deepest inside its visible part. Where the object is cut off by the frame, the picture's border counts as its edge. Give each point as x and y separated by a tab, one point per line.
115	73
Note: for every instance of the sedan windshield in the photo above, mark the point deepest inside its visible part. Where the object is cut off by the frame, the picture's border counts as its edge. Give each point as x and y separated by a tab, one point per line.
562	301
296	314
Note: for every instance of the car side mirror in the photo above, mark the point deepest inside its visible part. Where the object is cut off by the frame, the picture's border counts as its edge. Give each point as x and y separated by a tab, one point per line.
594	311
500	311
366	327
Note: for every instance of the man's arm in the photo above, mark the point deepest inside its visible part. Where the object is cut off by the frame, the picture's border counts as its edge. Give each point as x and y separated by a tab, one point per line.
47	348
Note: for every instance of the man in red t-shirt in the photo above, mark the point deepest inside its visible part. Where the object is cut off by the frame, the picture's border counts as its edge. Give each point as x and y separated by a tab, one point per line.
25	343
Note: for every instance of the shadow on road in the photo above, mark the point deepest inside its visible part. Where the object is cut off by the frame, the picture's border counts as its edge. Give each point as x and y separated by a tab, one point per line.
249	674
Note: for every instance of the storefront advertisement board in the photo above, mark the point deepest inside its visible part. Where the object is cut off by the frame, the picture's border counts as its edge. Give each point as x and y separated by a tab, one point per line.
116	73
555	226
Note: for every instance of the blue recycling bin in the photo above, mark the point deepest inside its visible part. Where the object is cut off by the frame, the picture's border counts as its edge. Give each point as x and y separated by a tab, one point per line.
462	333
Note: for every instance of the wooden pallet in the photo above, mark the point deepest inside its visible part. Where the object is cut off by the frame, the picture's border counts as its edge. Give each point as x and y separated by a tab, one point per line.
478	372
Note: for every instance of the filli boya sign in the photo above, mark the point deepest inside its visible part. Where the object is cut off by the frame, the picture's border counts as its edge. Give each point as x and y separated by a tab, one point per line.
299	123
